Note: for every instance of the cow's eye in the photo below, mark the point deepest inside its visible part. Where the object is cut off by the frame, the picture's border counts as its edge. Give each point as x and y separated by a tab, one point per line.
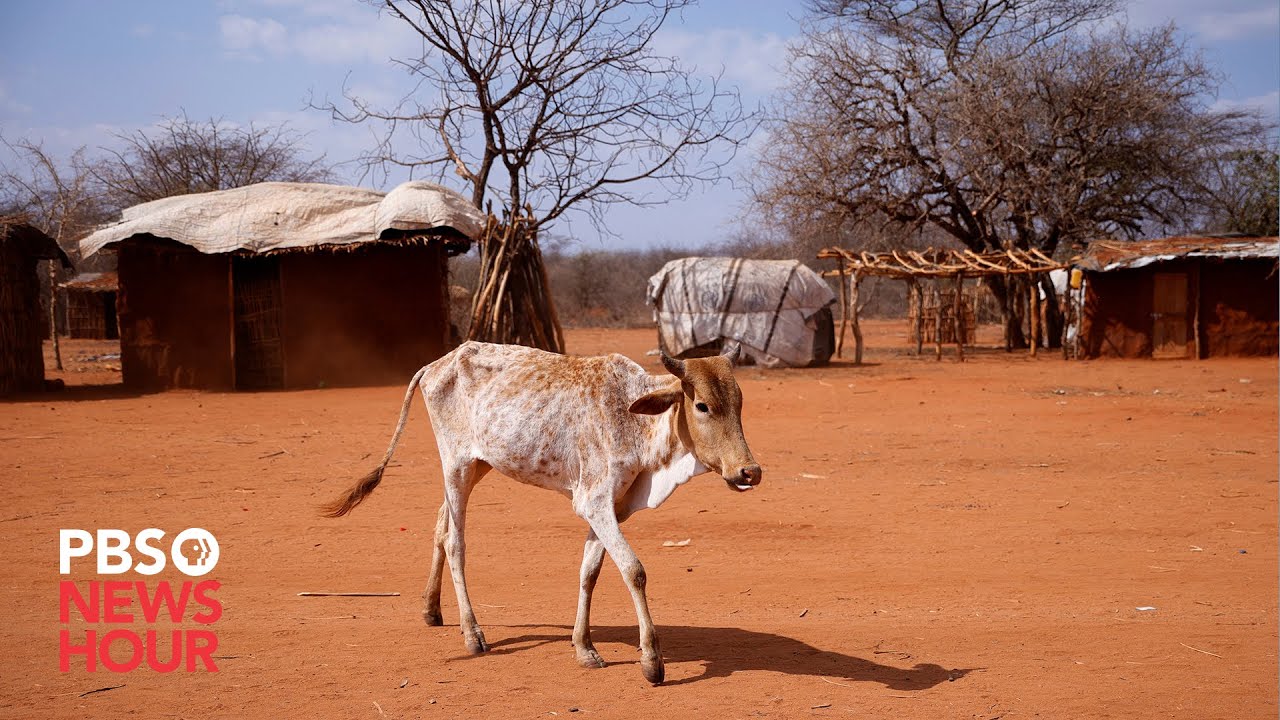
702	407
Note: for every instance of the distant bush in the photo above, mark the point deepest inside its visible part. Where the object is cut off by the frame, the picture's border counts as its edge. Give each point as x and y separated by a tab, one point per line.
596	287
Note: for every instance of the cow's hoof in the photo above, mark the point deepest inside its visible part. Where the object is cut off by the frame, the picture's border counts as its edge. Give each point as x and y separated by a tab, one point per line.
589	658
653	669
432	618
476	644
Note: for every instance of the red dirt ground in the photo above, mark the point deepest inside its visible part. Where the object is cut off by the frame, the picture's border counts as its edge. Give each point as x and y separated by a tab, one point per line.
932	540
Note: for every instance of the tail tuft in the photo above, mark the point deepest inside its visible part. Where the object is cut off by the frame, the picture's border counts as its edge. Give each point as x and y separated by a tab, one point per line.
354	496
366	484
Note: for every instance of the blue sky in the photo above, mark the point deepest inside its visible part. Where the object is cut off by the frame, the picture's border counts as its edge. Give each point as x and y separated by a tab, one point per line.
74	71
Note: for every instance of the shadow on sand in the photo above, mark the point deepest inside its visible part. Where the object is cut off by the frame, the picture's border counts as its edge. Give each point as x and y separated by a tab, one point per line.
77	393
724	651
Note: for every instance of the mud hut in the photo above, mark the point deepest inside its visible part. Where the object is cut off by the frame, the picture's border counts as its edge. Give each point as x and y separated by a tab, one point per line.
779	311
1179	297
22	322
285	285
90	302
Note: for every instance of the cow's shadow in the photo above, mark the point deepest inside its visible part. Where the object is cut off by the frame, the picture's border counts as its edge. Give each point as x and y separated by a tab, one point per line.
723	651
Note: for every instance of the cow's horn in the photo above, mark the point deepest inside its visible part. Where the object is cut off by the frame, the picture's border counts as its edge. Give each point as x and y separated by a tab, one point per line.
673	366
732	351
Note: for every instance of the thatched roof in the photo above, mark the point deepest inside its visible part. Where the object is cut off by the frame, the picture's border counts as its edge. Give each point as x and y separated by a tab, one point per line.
30	242
1106	255
279	216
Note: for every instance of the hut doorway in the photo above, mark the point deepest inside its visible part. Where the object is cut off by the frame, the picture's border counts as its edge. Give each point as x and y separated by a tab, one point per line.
112	325
1169	316
259	350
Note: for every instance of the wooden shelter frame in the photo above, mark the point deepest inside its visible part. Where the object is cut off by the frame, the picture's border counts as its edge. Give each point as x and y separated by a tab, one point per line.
937	265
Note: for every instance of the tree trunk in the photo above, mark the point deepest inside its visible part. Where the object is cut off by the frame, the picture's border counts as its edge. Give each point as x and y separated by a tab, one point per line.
1009	291
854	281
1053	320
53	314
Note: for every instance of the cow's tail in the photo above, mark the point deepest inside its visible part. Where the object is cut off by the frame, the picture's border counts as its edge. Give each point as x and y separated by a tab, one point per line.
366	484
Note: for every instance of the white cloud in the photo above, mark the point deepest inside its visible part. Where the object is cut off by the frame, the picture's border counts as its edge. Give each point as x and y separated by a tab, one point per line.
1267	104
332	9
1219	21
245	35
752	60
10	106
326	32
373	42
1238	24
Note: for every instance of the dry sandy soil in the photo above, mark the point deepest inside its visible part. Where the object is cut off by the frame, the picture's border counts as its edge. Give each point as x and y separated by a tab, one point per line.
932	540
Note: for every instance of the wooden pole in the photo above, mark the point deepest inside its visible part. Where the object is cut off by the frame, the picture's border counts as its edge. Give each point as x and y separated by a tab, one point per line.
917	296
1065	303
1034	311
854	282
937	322
1010	310
844	308
1195	308
53	313
958	321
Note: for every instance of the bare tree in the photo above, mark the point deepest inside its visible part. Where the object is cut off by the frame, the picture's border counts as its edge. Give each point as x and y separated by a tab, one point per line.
1240	191
181	156
547	106
554	104
59	199
1003	123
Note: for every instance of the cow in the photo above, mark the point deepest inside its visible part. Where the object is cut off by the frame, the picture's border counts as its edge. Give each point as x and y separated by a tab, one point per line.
599	430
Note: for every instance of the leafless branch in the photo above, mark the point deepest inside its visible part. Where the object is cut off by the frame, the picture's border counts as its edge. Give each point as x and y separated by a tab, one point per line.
181	156
556	104
1004	123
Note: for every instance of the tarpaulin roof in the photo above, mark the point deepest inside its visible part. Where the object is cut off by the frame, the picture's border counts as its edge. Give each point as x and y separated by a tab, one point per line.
276	216
762	304
1106	255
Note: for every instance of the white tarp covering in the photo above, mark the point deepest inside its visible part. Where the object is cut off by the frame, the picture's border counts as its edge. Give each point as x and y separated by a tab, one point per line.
283	216
766	305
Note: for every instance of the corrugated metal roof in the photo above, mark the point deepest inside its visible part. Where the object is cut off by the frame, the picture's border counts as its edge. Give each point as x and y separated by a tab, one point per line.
1107	255
93	282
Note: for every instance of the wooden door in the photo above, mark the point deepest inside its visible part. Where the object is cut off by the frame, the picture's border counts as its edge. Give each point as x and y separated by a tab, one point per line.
1169	316
259	351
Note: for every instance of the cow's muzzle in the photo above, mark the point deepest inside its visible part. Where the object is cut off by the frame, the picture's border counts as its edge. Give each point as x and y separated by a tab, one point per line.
748	477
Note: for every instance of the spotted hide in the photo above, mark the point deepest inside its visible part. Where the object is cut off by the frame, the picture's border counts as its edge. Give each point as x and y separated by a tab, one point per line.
599	430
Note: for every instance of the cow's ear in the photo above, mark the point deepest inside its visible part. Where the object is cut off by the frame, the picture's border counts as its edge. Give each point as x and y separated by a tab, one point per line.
656	402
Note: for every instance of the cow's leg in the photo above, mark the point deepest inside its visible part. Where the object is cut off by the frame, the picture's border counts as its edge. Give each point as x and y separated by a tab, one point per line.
604	522
592	559
431	610
459	480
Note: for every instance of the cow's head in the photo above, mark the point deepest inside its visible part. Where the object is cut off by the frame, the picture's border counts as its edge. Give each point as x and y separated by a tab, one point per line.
708	415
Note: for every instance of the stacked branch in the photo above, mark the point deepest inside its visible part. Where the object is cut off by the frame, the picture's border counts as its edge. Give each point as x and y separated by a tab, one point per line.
909	264
512	304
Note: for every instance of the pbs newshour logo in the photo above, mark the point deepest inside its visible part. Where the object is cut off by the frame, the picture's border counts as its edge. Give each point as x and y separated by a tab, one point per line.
194	551
115	608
